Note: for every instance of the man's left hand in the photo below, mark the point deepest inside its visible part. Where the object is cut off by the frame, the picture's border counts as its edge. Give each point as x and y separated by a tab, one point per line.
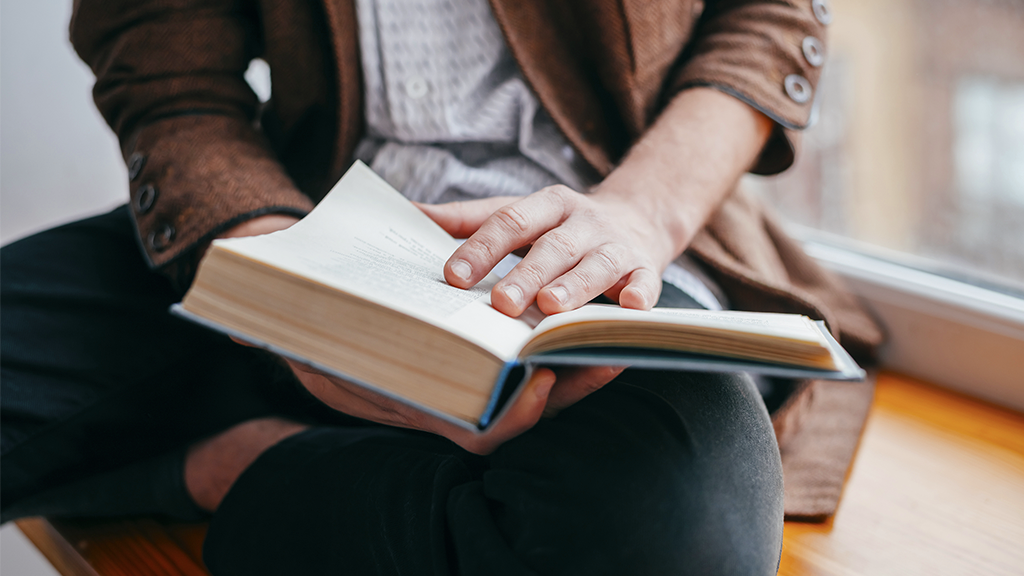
580	246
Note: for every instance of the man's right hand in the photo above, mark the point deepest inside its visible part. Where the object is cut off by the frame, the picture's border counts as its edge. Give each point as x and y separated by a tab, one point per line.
540	396
357	401
260	225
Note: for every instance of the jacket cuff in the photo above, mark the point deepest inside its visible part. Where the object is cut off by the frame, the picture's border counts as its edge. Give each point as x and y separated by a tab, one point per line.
767	55
194	176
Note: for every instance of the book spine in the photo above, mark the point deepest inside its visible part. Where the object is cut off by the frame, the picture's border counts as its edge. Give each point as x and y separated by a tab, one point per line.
507	387
493	406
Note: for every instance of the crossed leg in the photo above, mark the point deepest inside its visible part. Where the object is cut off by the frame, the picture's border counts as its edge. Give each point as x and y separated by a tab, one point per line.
103	393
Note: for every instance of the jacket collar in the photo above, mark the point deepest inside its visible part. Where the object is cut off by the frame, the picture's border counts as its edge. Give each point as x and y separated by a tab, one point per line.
550	67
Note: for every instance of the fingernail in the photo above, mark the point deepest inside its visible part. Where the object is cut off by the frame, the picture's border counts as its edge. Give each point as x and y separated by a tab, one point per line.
642	301
559	293
461	269
514	294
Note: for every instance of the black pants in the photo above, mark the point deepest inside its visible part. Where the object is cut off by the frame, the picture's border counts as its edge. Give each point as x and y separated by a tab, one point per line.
657	473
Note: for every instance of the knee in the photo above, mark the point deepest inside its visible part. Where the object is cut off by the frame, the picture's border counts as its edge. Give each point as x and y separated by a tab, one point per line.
632	483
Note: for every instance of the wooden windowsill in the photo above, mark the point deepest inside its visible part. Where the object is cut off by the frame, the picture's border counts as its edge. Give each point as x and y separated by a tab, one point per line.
937	487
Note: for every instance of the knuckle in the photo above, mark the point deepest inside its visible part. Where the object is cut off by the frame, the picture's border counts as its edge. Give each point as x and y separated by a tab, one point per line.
486	246
562	194
560	190
392	412
531	275
513	218
608	259
585	280
593	385
560	242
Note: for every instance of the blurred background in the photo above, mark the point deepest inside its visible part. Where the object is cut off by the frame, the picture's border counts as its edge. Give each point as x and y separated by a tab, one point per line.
58	159
918	151
917	154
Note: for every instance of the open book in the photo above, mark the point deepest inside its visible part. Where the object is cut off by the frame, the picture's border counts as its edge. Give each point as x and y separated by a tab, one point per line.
356	289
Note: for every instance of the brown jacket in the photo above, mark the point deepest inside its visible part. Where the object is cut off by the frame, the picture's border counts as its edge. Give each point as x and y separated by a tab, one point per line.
204	156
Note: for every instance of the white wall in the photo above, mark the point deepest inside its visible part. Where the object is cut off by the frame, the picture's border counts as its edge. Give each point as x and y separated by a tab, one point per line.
58	159
19	557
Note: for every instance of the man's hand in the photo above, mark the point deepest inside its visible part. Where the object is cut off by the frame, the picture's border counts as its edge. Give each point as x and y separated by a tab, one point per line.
618	239
260	225
581	246
357	401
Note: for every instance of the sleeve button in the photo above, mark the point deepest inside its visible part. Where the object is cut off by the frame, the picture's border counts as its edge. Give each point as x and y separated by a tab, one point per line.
822	11
135	163
798	88
814	51
145	197
161	237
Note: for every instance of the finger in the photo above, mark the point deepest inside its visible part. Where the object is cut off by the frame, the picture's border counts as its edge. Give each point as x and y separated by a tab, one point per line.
595	273
576	384
522	415
461	219
238	340
338	396
642	290
355	400
510	227
551	256
613	292
360	402
297	366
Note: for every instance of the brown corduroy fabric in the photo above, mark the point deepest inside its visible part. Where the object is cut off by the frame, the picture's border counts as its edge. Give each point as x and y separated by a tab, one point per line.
170	83
820	435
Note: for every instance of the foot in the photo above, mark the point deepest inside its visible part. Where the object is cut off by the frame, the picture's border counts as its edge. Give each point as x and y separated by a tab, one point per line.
213	465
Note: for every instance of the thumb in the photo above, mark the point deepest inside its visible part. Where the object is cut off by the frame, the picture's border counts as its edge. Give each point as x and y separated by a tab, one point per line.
462	219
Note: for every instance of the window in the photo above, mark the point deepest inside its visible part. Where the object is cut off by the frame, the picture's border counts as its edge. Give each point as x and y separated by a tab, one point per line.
917	160
919	144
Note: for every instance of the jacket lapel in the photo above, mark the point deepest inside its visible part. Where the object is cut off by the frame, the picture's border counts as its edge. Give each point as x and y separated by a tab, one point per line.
552	68
344	30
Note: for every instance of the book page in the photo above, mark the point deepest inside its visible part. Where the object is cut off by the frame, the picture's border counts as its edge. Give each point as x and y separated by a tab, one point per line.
367	239
787	326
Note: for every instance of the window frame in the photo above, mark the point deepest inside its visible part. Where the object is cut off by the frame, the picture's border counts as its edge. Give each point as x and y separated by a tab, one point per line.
942	330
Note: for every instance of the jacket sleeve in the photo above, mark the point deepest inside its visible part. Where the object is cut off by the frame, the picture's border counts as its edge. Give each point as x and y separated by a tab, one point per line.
766	53
169	81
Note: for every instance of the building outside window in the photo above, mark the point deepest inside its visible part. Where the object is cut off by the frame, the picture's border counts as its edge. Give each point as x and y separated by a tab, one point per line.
919	144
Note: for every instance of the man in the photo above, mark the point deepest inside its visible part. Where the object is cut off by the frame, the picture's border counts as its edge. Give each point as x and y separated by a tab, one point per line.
607	137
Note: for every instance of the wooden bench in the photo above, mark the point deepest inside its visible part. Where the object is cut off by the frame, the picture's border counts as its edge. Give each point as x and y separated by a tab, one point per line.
937	488
135	547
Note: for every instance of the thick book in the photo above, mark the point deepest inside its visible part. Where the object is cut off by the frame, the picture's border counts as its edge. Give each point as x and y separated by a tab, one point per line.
356	290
